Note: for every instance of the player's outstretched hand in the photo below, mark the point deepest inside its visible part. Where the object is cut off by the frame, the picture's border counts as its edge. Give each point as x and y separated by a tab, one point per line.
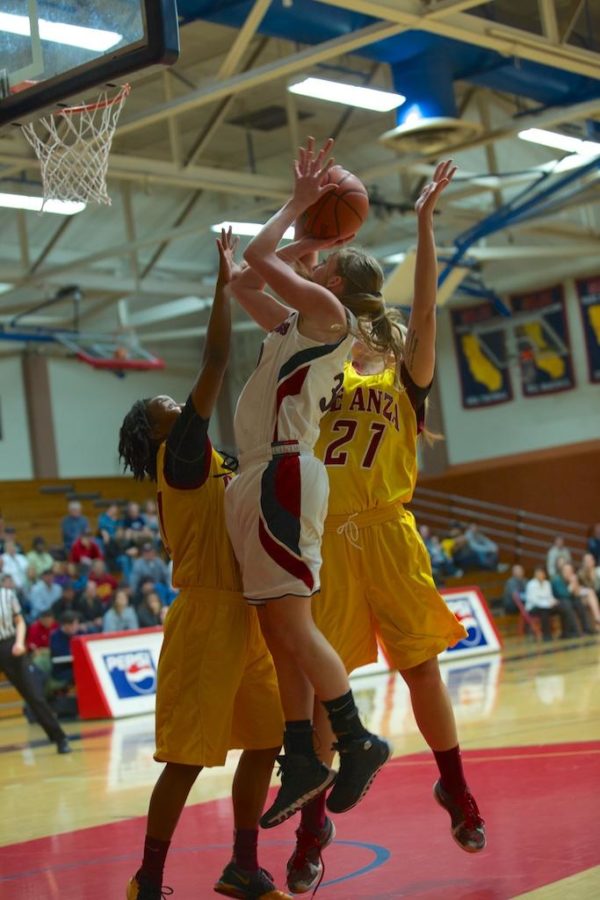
443	175
227	244
310	171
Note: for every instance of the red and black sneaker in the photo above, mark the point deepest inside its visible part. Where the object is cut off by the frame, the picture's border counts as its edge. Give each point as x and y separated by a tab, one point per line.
305	866
467	826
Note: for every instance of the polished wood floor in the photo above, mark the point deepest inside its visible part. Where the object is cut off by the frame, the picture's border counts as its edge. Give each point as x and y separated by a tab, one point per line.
533	701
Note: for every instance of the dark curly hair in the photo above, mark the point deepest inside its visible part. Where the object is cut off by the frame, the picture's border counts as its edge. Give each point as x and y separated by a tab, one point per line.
137	448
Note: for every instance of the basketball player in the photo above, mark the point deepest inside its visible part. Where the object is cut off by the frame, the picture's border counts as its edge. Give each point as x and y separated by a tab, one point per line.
276	506
376	579
216	682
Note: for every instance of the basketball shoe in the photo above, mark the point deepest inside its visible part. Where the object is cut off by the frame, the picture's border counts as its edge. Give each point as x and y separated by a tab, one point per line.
245	885
467	826
302	778
305	866
360	761
138	889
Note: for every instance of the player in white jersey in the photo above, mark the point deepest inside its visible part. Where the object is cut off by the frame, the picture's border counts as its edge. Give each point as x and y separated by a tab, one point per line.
277	505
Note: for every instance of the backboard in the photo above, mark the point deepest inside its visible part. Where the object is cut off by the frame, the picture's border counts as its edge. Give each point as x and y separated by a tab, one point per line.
55	52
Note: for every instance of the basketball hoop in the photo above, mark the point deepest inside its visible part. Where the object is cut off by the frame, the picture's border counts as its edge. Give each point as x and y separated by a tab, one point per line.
74	158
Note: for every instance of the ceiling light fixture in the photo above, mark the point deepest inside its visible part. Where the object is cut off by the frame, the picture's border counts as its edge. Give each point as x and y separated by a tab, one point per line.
21	201
62	33
559	141
349	94
248	229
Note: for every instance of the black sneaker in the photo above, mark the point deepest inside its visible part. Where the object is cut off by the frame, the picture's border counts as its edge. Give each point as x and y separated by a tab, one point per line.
63	745
302	778
305	866
360	761
245	885
138	889
467	826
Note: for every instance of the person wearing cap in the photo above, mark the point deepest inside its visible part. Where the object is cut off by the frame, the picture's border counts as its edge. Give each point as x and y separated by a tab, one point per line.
149	565
38	557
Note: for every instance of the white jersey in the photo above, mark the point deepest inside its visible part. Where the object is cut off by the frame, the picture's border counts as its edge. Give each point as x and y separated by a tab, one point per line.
290	389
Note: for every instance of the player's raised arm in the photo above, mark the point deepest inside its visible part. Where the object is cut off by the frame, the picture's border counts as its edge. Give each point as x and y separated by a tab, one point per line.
314	301
419	345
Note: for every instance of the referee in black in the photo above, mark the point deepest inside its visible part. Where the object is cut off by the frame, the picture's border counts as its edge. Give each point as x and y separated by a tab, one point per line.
15	665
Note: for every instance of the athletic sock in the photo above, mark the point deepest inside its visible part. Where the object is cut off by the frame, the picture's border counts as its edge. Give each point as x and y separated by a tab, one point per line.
245	842
450	765
344	718
313	814
153	863
298	738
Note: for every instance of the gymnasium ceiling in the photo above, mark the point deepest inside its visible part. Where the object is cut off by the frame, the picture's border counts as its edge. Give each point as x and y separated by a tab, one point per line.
211	139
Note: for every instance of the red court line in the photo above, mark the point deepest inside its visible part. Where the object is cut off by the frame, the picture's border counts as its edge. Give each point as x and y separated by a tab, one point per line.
540	805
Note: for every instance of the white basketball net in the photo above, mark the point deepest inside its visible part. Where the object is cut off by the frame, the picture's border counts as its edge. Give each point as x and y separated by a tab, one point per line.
74	157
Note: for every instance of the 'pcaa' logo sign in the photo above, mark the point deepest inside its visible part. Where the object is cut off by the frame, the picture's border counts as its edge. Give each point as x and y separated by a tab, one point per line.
133	674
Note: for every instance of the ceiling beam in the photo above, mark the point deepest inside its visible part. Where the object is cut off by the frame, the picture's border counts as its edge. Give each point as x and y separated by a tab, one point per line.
184	306
242	41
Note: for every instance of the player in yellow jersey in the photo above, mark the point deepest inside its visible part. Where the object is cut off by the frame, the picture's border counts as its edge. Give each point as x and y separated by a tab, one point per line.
376	578
217	687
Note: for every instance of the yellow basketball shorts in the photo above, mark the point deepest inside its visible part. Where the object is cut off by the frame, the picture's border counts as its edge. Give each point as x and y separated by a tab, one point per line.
217	688
376	584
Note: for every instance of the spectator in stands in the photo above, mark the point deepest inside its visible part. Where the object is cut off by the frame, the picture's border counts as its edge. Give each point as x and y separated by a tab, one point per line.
561	589
106	583
68	601
557	549
589	611
38	557
441	563
10	533
541	602
516	584
151	611
150	517
2	534
44	594
73	524
38	633
457	547
15	564
121	616
90	608
149	565
85	550
133	521
589	572
484	548
120	553
108	522
60	646
593	544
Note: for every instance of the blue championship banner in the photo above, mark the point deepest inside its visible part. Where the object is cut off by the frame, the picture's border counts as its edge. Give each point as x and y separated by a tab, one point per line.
481	357
543	342
589	299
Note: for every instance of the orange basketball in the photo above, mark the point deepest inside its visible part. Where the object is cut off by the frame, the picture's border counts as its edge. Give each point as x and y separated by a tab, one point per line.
339	213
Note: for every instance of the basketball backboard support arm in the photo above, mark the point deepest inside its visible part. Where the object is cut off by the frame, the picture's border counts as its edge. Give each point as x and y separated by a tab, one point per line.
36	85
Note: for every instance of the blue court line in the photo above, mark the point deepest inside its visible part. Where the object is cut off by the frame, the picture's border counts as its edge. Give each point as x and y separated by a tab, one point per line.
45	742
381	856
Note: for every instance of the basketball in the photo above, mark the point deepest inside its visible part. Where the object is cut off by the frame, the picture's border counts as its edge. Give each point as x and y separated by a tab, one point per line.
339	213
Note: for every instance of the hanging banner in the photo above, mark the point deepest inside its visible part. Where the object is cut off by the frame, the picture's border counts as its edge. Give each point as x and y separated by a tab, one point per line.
543	342
589	299
481	356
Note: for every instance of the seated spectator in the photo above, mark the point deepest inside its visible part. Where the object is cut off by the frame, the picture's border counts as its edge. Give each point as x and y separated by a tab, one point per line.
68	601
90	608
38	557
120	553
44	594
85	550
484	548
106	583
556	550
562	591
593	544
121	616
15	564
60	647
541	602
39	632
150	517
73	525
589	572
589	611
516	584
133	521
151	612
108	522
456	546
441	563
149	565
